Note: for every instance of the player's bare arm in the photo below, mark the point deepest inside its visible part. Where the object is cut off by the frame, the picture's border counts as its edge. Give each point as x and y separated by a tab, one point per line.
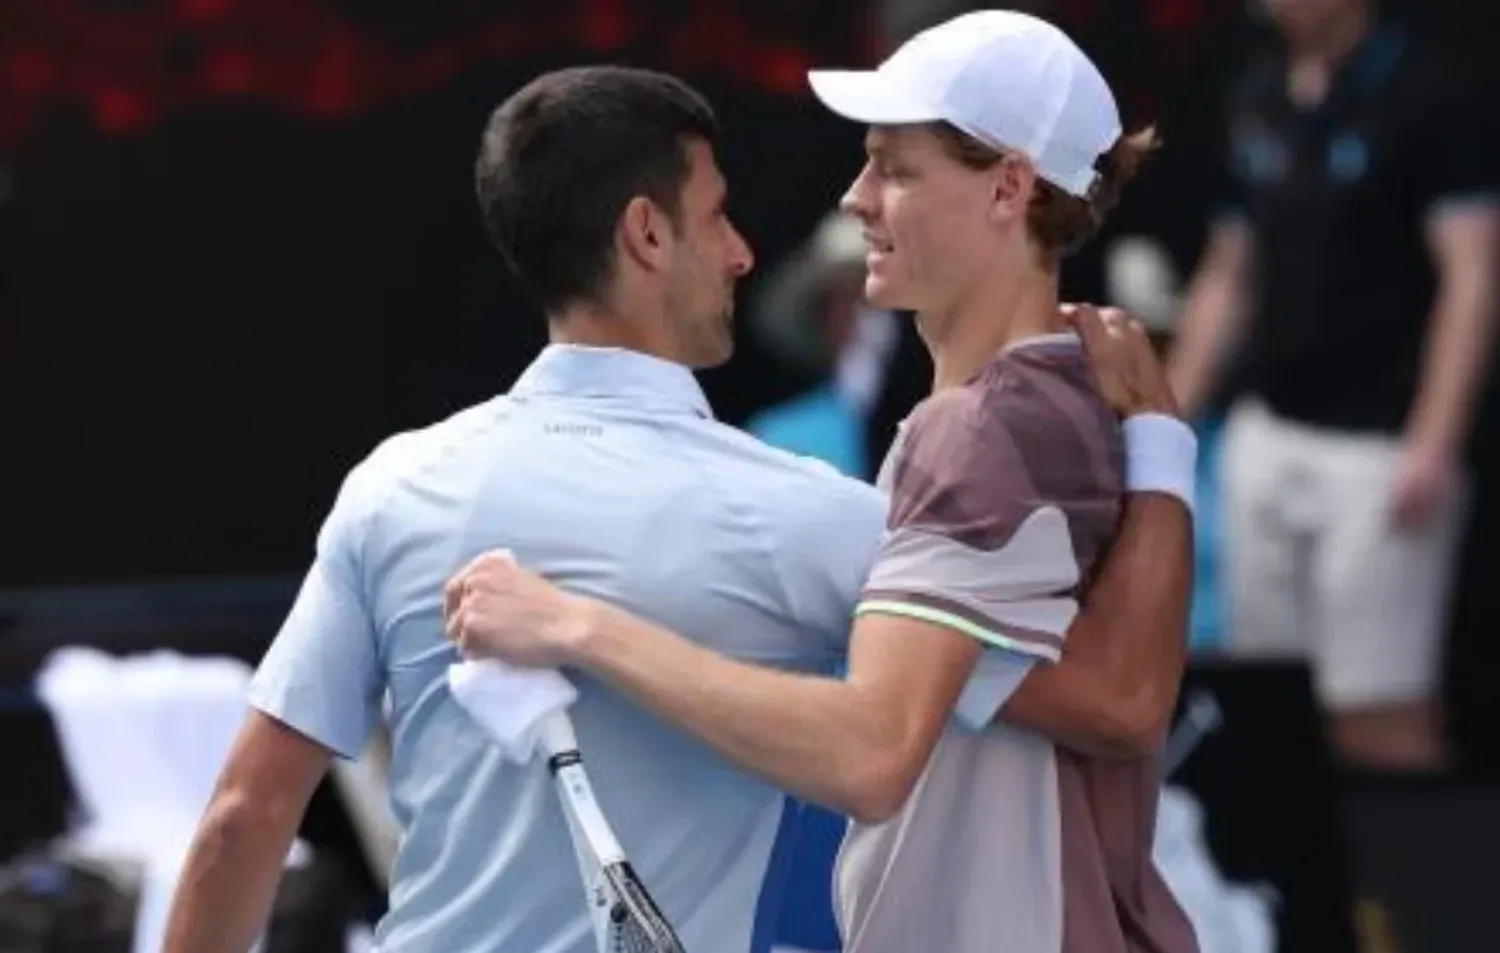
1115	687
857	744
1113	691
229	879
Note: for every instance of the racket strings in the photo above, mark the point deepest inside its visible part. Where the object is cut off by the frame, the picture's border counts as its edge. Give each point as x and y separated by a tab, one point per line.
628	936
636	926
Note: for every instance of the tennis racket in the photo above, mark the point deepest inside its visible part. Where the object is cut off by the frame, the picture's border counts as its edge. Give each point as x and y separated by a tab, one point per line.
625	918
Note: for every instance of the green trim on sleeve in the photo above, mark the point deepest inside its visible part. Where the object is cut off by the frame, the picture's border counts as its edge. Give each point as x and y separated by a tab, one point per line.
957	623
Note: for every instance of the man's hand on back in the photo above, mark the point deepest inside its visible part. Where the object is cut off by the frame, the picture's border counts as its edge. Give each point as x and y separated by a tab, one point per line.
496	608
1125	366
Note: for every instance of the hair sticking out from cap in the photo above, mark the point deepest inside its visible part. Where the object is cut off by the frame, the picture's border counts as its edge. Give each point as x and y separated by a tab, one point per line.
1060	223
1118	166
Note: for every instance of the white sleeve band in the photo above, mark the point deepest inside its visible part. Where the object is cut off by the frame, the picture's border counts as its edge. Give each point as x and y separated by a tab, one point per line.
1161	456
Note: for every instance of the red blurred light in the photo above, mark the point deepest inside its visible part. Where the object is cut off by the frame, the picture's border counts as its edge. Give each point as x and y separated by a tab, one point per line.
118	109
230	73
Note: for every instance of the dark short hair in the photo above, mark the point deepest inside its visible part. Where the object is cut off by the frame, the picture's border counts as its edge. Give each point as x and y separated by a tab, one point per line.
563	157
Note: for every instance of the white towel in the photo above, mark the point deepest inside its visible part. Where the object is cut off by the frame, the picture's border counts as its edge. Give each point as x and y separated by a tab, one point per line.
510	703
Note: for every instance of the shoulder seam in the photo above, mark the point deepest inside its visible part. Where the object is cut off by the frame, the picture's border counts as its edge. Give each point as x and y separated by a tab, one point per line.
378	502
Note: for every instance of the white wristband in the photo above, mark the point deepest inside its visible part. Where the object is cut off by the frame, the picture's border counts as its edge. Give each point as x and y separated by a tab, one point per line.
1161	456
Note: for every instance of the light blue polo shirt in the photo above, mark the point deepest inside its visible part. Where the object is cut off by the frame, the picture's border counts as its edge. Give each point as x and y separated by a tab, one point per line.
604	470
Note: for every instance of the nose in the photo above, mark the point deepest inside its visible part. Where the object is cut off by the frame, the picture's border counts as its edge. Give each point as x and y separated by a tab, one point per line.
741	258
859	199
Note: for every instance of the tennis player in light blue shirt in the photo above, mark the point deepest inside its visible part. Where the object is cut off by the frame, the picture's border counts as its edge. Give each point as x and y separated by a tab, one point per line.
604	467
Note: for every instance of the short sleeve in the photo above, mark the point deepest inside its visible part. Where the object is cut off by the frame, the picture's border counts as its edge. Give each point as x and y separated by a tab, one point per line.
823	546
321	675
971	542
1458	159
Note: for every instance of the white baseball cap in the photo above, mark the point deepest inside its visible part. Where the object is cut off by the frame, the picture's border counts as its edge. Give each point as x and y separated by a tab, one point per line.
1008	79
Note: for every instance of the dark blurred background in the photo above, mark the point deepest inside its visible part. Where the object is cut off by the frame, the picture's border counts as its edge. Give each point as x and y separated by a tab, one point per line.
239	245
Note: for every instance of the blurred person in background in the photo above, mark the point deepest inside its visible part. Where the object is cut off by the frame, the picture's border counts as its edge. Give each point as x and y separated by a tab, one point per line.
813	316
1346	303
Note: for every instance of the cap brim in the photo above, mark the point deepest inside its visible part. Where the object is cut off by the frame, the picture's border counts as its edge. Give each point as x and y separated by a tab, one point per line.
870	97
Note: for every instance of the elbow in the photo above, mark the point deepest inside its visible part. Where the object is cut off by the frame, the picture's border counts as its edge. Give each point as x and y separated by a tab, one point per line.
1125	740
875	800
228	824
237	822
1132	726
876	789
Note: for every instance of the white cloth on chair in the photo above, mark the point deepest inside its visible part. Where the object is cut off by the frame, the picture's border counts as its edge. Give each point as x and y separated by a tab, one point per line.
144	739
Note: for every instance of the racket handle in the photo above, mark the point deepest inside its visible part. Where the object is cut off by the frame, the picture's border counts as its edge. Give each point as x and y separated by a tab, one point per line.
557	734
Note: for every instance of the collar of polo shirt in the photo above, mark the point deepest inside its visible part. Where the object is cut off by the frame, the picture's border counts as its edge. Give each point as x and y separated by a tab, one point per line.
575	370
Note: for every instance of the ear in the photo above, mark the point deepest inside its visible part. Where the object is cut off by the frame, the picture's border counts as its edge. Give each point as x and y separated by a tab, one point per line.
644	234
1011	189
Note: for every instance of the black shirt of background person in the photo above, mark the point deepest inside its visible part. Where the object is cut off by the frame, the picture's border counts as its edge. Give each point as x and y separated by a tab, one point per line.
1337	198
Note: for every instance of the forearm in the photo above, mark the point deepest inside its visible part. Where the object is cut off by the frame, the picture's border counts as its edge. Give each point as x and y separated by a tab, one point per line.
1212	314
1208	321
1456	356
815	737
228	883
1116	684
1133	627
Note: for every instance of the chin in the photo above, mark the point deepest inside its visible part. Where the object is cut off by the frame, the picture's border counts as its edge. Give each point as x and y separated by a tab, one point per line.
880	294
716	355
723	355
